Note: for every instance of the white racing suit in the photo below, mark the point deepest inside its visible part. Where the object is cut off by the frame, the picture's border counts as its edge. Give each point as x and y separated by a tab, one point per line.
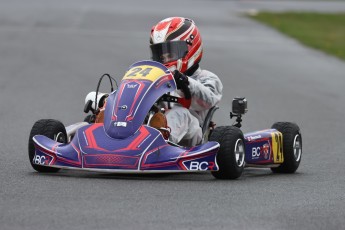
185	124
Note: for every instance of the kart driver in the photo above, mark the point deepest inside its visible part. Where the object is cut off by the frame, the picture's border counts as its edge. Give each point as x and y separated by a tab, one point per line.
176	43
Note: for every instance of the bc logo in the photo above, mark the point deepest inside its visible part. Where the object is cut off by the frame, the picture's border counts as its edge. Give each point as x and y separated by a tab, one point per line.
202	166
39	160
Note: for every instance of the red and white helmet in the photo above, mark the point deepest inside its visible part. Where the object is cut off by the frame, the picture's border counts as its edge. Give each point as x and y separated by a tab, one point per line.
176	43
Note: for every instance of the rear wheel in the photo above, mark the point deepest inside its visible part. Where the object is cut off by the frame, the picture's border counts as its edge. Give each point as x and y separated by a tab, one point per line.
292	147
50	128
231	155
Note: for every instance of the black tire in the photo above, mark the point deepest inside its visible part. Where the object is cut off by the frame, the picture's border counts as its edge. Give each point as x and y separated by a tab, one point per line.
50	128
229	138
292	147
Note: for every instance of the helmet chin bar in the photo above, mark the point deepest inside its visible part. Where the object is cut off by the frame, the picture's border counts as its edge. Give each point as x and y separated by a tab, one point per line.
190	63
176	66
179	64
172	68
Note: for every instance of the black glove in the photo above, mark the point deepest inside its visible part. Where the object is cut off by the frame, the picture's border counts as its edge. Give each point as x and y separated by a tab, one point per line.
180	79
182	83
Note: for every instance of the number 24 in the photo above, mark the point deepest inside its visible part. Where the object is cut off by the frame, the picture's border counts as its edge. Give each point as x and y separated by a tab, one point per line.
140	71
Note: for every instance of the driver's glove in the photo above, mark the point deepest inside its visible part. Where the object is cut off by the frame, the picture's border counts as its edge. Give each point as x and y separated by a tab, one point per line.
182	83
180	79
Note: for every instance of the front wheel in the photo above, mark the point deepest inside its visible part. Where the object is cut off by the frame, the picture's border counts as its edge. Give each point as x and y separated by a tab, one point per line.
50	128
292	146
231	155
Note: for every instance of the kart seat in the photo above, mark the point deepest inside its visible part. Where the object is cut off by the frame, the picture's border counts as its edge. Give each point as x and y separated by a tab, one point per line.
208	119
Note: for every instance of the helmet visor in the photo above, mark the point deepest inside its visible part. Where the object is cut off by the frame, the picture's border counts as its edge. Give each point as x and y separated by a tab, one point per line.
168	51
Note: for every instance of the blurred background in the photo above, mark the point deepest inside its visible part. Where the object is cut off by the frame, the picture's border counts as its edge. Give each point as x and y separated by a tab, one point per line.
52	54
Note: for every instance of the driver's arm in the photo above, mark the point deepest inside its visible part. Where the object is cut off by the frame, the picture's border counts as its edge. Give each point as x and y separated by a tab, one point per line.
206	91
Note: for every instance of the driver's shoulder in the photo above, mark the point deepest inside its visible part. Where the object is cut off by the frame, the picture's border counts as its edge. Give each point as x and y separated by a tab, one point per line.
203	75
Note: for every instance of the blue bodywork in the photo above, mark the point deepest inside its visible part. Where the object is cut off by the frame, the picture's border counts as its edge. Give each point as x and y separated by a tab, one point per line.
123	143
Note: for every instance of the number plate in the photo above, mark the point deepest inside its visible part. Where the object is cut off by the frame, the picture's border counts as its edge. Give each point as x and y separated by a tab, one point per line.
144	72
277	147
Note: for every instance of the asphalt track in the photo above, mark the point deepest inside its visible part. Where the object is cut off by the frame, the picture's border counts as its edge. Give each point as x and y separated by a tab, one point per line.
52	54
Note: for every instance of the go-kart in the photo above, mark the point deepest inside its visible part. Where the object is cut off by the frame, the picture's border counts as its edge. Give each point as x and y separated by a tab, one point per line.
125	143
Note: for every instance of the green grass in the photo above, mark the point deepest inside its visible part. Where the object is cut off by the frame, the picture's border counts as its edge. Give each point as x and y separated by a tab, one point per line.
321	31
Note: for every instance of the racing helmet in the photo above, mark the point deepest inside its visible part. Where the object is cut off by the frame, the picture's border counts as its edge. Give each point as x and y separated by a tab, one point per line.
176	43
